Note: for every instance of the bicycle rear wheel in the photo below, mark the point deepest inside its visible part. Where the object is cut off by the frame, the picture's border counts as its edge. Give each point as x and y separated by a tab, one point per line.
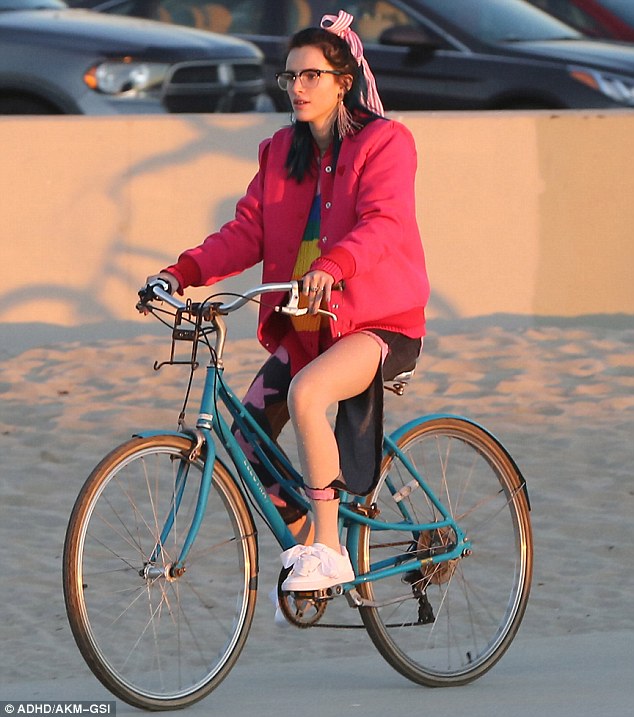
159	639
447	624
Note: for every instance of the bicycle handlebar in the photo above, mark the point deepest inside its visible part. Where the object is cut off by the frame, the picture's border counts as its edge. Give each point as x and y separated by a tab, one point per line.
159	289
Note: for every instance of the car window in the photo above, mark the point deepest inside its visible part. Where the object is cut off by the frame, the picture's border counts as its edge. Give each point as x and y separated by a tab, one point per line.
149	10
298	14
373	18
308	13
236	16
499	20
240	16
570	14
621	8
259	17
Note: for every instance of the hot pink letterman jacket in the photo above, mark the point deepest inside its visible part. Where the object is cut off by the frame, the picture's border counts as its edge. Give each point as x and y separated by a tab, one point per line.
369	234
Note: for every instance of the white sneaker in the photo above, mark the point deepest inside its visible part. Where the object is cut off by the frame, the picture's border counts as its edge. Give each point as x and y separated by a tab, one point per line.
315	567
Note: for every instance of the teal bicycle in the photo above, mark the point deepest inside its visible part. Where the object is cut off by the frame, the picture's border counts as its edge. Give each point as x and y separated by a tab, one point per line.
160	564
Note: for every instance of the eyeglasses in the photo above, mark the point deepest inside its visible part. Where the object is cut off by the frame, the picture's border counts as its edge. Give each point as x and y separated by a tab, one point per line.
308	79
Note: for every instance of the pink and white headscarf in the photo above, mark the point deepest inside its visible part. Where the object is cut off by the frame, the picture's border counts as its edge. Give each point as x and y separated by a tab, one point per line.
340	26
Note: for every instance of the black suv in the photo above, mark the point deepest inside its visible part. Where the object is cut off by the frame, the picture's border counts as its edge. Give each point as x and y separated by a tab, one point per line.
431	54
57	60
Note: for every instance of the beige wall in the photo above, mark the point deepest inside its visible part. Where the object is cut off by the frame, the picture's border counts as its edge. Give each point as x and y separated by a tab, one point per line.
524	213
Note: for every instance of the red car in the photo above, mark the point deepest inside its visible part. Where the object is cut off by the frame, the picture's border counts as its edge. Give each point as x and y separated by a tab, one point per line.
612	19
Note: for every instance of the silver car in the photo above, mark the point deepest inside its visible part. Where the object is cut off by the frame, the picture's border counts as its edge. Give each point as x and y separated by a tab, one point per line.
59	60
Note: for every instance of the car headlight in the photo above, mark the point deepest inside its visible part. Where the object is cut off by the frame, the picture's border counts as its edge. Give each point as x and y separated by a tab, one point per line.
619	88
126	77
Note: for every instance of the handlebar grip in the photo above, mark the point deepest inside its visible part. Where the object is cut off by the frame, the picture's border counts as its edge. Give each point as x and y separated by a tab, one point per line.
165	285
161	290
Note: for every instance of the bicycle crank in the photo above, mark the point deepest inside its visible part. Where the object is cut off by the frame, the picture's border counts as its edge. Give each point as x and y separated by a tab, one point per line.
302	609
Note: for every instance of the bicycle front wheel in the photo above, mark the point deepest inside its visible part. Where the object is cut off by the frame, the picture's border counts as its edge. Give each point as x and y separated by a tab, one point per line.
448	623
158	636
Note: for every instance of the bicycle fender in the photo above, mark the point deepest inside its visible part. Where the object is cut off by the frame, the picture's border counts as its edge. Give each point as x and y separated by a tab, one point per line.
402	430
152	434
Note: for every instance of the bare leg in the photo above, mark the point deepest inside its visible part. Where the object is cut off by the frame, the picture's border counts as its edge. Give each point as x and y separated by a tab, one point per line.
303	530
344	371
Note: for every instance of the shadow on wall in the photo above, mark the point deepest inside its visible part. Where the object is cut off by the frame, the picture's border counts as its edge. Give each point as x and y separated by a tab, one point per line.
145	196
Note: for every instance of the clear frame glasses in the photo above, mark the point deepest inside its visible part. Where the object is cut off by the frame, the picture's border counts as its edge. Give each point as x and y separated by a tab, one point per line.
308	79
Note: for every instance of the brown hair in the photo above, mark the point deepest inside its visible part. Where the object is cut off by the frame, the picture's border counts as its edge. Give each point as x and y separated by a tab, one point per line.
338	54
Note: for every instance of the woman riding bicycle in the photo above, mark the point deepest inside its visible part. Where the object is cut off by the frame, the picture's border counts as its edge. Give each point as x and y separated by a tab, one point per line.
333	204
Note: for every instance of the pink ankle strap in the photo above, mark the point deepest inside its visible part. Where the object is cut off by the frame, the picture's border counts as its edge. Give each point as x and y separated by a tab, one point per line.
327	493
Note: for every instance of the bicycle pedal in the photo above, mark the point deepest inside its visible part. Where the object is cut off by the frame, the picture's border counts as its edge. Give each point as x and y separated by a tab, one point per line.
321	594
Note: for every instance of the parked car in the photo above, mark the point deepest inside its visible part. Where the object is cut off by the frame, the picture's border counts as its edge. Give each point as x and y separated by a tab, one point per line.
431	54
612	19
57	60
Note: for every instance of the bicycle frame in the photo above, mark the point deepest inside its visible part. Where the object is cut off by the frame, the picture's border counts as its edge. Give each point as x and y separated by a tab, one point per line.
212	423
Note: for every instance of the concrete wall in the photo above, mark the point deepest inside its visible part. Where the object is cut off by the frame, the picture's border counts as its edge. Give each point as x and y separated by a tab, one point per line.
524	213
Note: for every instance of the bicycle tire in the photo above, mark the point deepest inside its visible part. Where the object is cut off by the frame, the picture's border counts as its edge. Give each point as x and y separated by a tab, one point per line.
158	642
456	619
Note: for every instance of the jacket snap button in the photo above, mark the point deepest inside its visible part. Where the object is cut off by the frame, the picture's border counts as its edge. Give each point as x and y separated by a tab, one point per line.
328	205
328	169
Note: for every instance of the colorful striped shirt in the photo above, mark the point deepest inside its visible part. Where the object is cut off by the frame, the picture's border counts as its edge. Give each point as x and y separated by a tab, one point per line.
308	326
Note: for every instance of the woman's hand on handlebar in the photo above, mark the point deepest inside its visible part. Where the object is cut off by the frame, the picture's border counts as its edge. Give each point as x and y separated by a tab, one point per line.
317	286
169	279
164	280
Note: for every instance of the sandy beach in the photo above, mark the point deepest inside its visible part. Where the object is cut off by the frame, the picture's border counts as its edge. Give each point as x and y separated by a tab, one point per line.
560	395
